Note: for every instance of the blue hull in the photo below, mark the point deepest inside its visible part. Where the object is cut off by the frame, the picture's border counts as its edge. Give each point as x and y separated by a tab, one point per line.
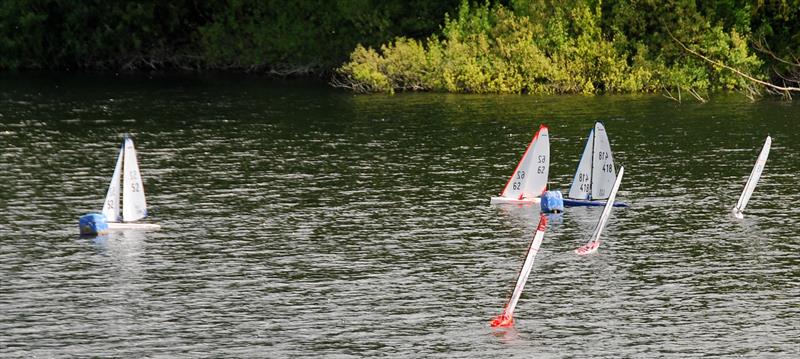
587	203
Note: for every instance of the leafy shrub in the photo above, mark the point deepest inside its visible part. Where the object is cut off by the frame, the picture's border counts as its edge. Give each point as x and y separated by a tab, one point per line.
570	47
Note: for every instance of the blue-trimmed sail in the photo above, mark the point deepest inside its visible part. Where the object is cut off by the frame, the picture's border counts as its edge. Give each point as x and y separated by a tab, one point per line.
603	174
595	174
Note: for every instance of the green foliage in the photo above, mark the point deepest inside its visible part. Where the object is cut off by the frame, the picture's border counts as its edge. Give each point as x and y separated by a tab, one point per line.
282	36
524	46
406	59
490	49
90	34
577	46
776	31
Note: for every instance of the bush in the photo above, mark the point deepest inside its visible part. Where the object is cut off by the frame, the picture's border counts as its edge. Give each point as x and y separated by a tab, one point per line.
544	47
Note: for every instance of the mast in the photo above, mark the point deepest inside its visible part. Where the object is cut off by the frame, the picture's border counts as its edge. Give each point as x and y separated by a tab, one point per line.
591	164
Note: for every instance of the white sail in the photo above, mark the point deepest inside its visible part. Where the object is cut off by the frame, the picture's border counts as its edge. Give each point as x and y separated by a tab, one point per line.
594	241
133	202
750	186
530	177
582	182
607	208
111	205
540	165
522	278
603	175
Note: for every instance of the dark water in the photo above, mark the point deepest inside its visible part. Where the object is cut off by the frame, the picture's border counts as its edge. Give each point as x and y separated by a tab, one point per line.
300	221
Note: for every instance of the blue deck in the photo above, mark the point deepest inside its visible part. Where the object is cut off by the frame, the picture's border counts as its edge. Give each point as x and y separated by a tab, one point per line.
587	203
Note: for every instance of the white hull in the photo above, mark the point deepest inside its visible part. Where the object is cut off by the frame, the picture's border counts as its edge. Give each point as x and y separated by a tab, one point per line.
588	248
122	226
503	200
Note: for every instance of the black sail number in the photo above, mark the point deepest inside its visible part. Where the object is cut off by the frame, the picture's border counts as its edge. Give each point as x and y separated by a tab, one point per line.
135	185
585	185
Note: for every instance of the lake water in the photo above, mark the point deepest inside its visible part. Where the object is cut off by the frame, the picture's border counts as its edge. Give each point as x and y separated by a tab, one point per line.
300	221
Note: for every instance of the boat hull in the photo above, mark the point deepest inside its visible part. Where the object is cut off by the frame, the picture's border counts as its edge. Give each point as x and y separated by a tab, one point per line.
122	226
586	203
504	200
588	248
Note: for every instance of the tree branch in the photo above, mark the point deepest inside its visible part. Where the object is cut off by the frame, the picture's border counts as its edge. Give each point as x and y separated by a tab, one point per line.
738	72
670	96
696	95
758	46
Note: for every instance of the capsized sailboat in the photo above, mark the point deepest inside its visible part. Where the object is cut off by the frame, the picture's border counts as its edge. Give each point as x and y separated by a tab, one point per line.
595	174
594	241
506	318
750	185
529	179
133	204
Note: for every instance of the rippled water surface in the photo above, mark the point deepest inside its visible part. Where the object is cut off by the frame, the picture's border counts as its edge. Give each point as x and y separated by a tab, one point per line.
301	221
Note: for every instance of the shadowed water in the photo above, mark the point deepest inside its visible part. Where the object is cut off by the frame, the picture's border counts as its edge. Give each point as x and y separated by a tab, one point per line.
300	221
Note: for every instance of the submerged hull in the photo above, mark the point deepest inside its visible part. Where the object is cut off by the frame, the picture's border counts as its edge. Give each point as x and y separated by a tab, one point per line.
122	226
587	203
504	200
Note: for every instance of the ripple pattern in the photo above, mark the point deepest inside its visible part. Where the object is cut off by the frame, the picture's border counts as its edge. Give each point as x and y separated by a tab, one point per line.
300	221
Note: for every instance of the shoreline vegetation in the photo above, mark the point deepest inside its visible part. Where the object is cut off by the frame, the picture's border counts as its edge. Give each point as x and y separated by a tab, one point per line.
679	48
282	38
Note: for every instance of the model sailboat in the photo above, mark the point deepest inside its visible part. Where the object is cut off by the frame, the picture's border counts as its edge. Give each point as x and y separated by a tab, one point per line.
506	318
595	174
750	185
133	204
594	241
529	179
